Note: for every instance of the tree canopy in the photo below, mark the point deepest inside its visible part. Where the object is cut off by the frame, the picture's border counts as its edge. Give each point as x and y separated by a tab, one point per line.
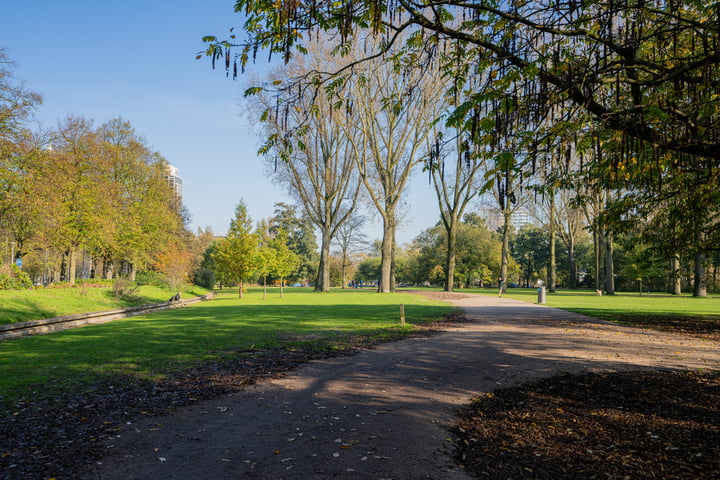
616	100
644	68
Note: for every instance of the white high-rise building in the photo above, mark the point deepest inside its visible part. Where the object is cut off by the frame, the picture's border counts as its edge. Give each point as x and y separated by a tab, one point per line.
174	180
519	219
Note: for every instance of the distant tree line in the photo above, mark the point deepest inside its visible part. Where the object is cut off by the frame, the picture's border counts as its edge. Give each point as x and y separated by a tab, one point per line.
85	201
604	113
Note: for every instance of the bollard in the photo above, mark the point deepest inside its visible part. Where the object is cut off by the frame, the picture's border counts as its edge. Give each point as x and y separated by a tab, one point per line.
402	314
541	296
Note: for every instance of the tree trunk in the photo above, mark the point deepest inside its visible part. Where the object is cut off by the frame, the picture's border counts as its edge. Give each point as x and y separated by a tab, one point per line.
386	261
72	267
551	271
393	263
323	276
505	249
675	278
699	284
597	247
451	254
572	265
609	266
64	267
343	268
108	268
240	289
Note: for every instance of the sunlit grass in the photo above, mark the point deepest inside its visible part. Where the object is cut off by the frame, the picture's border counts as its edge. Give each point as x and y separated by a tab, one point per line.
620	305
25	305
152	346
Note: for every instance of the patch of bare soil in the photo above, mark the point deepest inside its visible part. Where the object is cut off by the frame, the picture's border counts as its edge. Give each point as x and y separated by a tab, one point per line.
701	327
437	295
630	425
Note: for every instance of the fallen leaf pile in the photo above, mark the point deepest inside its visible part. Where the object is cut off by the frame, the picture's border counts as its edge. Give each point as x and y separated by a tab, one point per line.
628	425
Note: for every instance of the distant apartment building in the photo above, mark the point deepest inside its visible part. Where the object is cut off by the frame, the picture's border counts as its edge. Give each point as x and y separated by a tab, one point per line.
173	178
519	219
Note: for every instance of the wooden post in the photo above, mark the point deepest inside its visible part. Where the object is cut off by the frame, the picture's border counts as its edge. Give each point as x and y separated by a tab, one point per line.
402	314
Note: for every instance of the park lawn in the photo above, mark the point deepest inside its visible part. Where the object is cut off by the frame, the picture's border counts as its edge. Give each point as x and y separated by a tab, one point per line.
38	304
151	347
623	307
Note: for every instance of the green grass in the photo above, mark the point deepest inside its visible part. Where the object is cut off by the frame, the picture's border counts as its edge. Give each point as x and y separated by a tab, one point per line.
150	347
619	306
24	305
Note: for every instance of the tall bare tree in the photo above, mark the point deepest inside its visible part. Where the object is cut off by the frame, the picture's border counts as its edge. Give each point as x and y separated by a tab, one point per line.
350	240
393	106
456	183
318	164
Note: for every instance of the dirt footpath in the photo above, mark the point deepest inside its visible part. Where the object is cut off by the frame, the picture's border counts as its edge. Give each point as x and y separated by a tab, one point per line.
384	414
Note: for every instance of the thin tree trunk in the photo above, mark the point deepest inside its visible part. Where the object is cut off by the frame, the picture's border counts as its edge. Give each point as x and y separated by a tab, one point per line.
597	247
609	265
240	290
572	265
323	277
451	254
343	269
505	249
675	278
552	270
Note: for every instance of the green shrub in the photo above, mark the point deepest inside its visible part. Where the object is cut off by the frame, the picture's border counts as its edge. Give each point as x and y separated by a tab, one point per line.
93	283
204	277
124	288
149	277
12	278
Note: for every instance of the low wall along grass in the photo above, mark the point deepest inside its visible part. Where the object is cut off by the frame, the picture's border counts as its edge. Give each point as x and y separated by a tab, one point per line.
38	304
149	347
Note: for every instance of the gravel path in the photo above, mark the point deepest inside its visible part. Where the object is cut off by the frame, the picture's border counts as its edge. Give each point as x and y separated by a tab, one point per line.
384	414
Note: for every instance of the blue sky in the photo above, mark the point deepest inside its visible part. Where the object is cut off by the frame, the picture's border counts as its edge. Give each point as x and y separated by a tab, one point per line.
136	60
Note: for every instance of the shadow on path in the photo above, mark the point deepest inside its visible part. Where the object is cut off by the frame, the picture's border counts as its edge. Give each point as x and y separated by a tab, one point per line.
385	412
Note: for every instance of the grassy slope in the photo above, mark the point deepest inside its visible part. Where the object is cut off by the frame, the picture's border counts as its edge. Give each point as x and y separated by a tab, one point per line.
24	305
151	346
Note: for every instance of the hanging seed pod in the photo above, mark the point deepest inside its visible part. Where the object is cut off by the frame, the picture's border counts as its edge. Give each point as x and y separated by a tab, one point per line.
568	157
